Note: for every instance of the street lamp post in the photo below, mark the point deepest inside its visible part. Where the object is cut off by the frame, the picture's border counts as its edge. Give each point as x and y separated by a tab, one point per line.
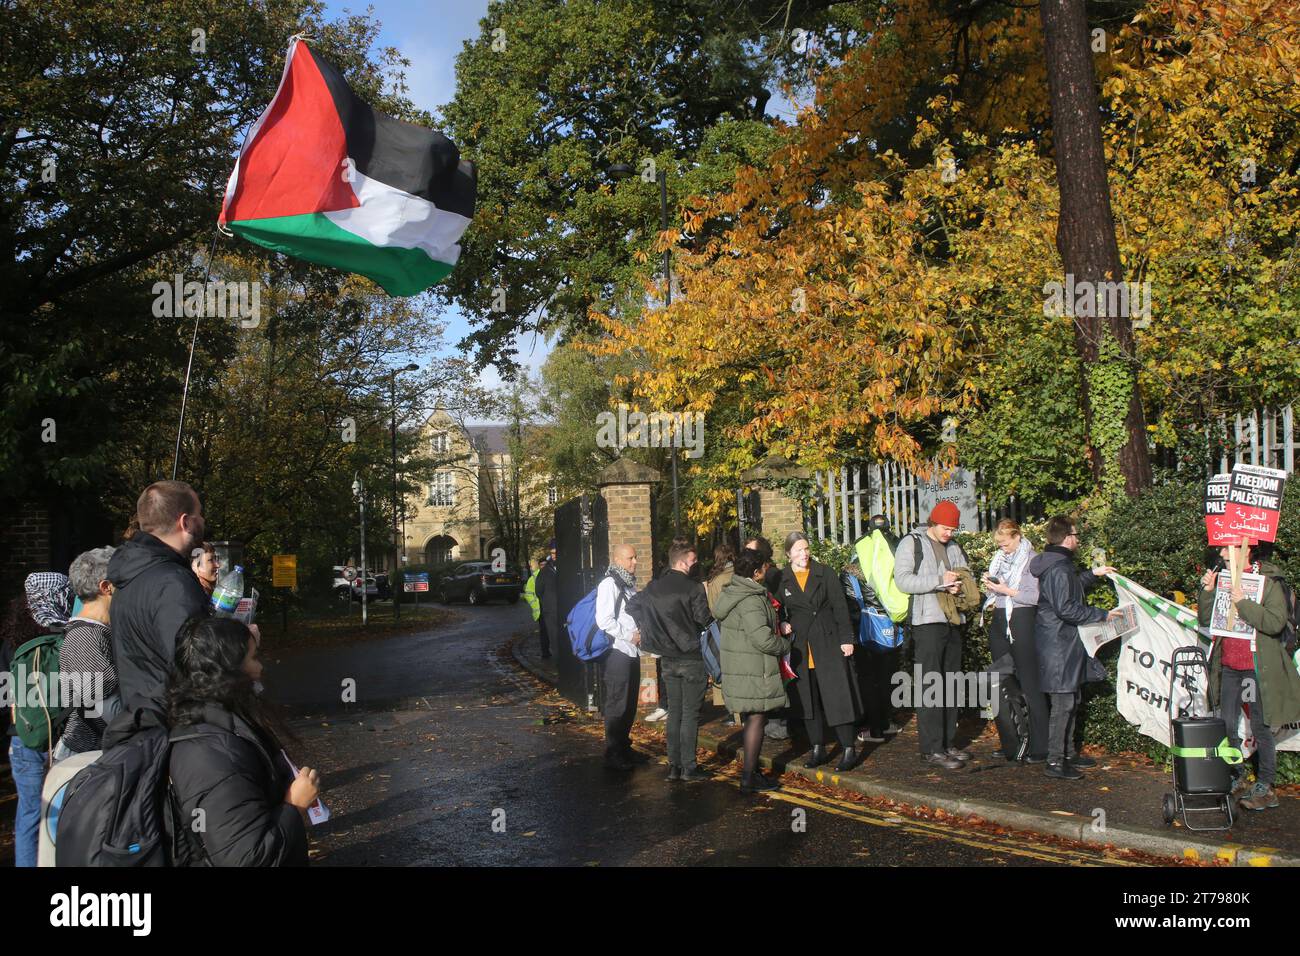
359	492
394	578
620	171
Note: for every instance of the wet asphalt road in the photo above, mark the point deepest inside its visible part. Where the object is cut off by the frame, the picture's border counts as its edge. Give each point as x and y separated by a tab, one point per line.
454	756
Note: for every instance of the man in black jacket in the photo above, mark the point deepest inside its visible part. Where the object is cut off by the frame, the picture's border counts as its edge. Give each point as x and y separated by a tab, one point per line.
1062	660
671	612
156	592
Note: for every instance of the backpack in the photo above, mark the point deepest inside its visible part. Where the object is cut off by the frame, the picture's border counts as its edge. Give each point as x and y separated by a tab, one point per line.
588	641
874	625
38	717
1291	623
118	811
711	650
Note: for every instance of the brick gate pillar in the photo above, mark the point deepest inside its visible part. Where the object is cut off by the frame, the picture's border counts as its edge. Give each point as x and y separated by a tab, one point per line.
780	514
628	490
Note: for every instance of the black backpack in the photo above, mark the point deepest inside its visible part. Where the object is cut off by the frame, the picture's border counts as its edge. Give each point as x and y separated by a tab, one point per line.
118	811
1292	620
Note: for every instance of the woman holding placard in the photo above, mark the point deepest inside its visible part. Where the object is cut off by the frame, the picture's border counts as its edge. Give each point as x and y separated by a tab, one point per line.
1253	669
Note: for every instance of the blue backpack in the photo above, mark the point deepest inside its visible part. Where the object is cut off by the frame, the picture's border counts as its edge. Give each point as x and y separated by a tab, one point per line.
875	626
711	650
588	641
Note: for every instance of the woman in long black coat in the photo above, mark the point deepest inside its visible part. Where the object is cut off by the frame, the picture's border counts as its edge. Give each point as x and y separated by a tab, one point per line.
827	688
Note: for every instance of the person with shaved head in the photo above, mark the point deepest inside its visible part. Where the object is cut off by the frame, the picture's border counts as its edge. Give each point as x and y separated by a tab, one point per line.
621	675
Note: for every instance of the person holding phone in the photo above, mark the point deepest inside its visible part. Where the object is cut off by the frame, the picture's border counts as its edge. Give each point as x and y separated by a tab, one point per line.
235	801
1013	597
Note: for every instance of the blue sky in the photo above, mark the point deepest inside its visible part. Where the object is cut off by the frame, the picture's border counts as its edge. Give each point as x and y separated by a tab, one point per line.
430	34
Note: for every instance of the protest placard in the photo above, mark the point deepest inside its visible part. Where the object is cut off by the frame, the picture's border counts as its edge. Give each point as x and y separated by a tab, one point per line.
1254	502
1216	507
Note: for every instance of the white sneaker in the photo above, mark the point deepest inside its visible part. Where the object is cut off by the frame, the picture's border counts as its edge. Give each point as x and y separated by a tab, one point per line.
893	729
659	714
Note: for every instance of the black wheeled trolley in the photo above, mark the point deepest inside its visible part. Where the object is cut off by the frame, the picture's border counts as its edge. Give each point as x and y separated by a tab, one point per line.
1201	754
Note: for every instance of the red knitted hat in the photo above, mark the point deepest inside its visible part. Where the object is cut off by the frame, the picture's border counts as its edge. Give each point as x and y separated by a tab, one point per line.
946	513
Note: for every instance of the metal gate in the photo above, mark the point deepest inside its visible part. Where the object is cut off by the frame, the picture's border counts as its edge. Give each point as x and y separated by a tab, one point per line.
582	556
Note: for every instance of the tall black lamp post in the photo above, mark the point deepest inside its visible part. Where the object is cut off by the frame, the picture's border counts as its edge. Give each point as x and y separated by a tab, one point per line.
395	577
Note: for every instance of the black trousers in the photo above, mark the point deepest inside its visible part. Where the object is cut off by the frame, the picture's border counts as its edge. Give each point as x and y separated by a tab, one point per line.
685	681
816	723
621	680
937	648
1024	652
876	666
543	636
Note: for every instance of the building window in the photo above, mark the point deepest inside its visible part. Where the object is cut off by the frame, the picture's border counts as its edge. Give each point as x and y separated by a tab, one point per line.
442	490
441	443
552	495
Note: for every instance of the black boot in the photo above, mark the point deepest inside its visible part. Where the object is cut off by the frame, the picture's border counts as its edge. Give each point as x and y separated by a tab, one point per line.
759	783
848	760
817	756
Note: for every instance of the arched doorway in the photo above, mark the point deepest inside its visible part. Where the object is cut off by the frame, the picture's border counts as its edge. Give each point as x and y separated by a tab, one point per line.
439	549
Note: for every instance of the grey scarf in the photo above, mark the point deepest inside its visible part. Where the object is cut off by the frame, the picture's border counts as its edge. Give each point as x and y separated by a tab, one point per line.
621	574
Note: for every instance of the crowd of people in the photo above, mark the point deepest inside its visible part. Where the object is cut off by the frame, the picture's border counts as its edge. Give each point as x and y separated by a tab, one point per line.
794	644
136	618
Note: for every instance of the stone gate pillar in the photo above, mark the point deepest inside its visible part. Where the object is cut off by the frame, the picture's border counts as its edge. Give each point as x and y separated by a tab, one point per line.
779	514
628	490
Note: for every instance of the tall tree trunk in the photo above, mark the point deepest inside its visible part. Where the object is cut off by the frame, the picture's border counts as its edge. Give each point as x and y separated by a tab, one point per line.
1085	238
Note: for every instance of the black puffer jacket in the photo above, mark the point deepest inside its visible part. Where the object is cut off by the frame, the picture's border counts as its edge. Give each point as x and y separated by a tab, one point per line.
1062	659
221	767
157	592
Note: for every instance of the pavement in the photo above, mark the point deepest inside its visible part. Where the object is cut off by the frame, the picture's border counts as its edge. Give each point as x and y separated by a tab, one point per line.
1118	803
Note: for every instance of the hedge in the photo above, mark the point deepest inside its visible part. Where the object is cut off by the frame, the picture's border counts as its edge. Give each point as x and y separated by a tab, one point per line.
1158	539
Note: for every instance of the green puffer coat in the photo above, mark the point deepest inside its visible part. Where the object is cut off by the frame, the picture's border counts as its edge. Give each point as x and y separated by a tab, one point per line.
1279	683
751	648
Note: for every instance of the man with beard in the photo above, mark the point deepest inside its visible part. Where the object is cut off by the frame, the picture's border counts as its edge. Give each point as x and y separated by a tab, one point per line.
156	591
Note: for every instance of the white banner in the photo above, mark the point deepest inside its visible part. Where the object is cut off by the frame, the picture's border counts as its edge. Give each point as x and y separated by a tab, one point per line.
1143	691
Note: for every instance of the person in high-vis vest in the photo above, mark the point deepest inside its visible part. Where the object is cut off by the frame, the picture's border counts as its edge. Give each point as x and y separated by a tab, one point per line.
530	593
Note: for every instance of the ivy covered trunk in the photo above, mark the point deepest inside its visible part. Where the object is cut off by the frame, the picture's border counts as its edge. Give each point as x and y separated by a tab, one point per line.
1085	238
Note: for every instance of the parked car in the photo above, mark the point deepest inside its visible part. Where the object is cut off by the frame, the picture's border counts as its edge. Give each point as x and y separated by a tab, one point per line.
346	589
476	582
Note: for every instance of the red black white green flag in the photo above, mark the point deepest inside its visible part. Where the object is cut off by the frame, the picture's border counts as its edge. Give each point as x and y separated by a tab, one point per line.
325	177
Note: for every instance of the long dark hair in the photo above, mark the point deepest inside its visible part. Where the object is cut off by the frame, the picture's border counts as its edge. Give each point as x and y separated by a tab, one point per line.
208	668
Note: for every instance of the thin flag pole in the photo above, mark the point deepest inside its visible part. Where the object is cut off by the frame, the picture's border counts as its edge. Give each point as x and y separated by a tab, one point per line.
189	367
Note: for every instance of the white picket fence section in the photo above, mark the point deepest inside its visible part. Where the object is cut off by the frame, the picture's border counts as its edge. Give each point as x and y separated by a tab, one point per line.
851	495
1265	437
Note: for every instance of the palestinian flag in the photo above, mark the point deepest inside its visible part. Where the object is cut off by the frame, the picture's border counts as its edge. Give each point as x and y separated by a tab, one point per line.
324	177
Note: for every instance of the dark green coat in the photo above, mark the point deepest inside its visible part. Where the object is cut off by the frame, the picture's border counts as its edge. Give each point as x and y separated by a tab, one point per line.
751	648
1279	683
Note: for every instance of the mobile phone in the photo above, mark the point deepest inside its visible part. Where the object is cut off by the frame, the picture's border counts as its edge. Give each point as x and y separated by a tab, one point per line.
994	579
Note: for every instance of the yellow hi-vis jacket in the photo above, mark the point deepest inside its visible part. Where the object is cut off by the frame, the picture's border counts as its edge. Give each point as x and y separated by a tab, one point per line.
876	559
530	595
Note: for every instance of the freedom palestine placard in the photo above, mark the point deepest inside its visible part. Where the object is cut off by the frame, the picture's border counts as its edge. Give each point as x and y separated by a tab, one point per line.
1216	510
1254	502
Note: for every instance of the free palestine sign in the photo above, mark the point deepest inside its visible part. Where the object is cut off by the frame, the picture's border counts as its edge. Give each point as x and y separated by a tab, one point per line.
1254	502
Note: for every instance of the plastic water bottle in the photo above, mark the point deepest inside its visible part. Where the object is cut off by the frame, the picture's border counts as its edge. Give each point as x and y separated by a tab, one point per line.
226	595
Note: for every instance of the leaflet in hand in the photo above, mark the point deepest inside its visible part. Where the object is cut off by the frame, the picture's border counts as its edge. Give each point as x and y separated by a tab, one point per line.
317	813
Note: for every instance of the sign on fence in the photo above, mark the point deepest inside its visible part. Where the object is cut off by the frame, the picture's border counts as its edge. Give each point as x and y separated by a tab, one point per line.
957	486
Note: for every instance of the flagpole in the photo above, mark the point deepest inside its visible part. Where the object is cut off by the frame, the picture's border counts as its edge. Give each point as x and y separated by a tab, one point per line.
189	366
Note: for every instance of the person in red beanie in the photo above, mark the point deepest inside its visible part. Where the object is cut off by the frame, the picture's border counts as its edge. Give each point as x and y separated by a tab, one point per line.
925	567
